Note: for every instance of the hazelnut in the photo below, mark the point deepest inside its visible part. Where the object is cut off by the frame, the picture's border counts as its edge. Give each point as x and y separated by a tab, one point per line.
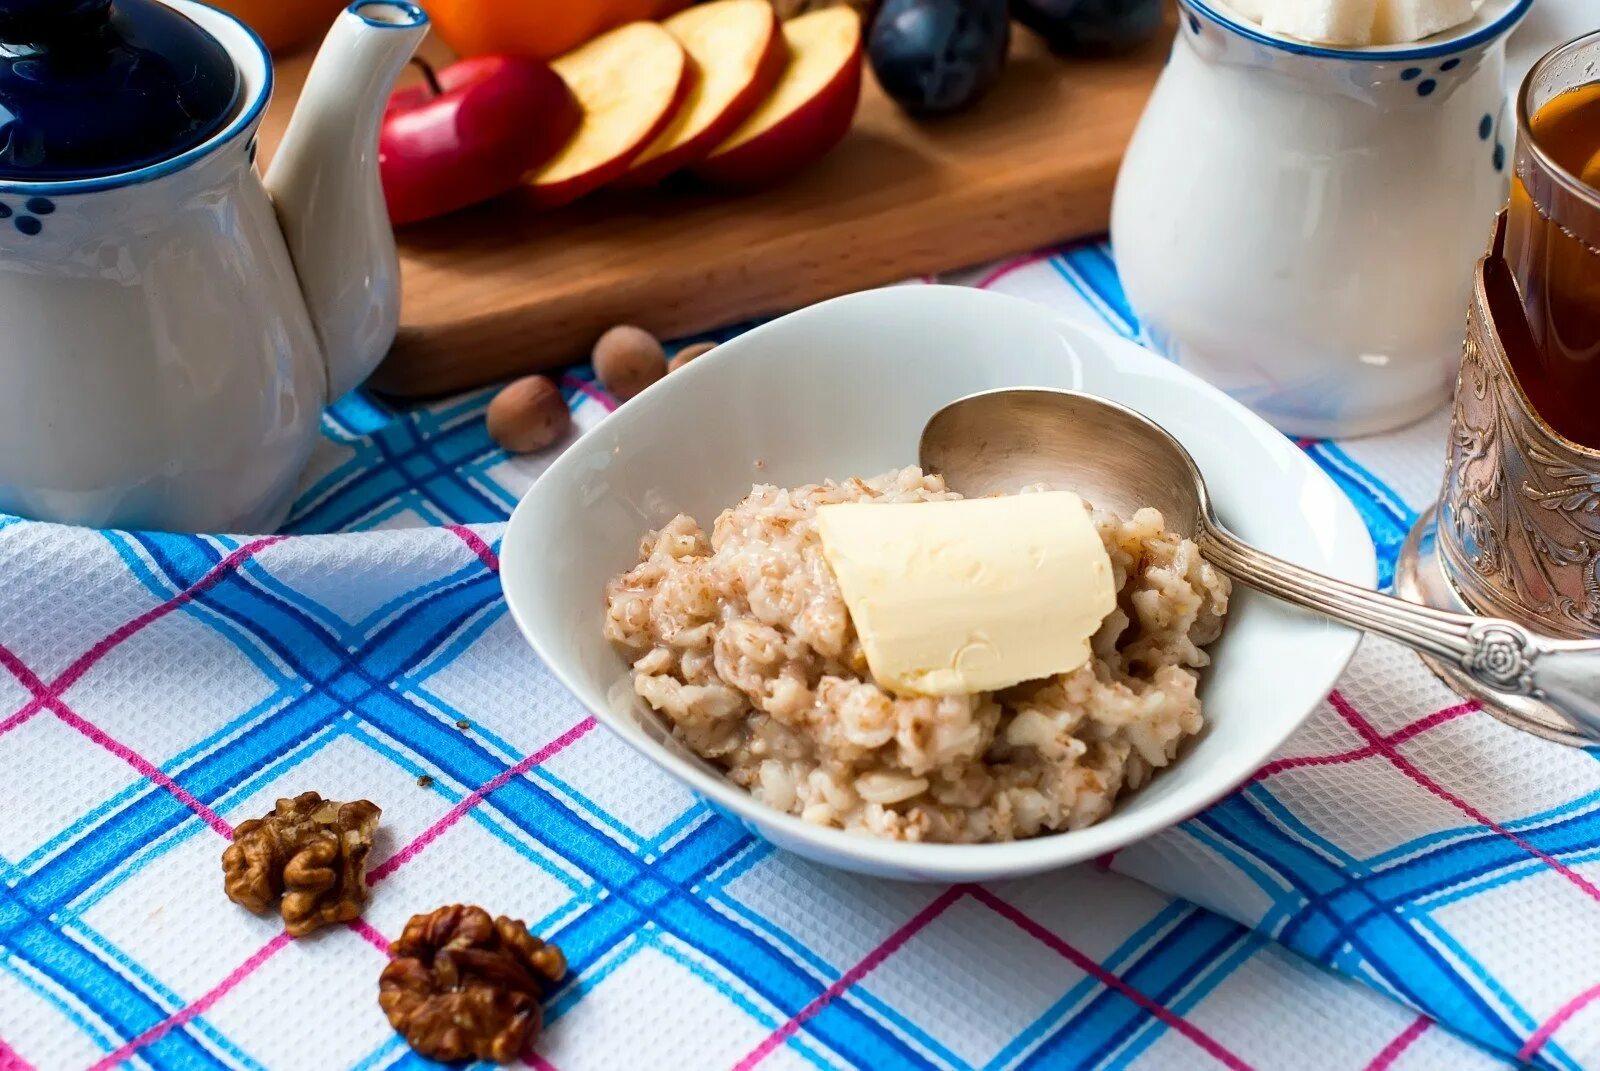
528	414
689	353
628	359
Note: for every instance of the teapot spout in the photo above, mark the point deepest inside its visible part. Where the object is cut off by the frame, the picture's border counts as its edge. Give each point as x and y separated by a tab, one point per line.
325	185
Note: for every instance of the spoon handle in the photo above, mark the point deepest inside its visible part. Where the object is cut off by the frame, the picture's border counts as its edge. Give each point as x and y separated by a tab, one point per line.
1500	655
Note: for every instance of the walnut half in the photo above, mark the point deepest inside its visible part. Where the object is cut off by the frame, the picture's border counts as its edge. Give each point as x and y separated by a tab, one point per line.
309	856
462	985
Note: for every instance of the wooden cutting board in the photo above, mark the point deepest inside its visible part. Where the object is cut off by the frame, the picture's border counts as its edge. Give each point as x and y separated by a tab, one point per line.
503	289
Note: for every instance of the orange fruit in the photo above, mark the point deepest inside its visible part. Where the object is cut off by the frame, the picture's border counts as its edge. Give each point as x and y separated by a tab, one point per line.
542	29
285	24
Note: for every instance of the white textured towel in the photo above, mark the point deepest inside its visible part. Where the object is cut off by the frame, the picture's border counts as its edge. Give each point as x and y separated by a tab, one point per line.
155	691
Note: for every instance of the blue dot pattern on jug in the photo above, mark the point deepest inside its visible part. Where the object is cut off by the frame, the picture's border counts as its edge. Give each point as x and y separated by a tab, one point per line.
1410	73
1194	24
40	206
1450	64
29	226
1426	86
1499	157
1485	127
5	211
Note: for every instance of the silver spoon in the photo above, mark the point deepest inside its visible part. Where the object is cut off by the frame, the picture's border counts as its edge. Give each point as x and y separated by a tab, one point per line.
1005	439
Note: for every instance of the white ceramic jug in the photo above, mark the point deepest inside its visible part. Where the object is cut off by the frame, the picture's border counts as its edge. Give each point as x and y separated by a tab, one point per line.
173	331
1299	224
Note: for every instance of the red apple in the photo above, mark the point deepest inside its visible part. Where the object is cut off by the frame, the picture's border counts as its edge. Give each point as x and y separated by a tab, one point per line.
739	49
470	133
808	113
629	82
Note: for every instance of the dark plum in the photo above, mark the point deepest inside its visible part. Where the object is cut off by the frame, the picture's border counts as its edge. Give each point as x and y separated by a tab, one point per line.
1090	27
938	56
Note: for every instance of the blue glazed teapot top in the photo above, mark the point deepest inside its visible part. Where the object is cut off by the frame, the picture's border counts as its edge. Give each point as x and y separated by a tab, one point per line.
90	88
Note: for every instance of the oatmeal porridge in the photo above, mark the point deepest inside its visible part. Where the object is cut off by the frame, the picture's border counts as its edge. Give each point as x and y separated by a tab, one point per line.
742	640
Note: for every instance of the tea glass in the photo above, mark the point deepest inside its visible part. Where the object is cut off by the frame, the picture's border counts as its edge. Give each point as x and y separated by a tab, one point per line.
1516	532
1553	245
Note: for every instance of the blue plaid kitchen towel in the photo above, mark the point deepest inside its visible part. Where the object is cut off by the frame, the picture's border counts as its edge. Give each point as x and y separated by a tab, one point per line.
1411	885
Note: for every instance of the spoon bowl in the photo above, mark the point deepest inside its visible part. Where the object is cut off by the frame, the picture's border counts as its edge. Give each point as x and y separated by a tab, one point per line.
1004	440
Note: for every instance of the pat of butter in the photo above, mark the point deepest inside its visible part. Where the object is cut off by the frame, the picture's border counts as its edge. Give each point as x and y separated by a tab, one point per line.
970	595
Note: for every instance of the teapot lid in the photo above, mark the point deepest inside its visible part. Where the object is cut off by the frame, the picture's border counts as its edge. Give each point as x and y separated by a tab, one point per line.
90	88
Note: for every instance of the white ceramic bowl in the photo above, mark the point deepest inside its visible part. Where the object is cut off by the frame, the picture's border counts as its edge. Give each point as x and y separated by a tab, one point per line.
843	388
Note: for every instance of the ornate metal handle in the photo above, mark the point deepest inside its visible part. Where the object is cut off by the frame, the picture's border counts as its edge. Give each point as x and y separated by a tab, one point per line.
1501	655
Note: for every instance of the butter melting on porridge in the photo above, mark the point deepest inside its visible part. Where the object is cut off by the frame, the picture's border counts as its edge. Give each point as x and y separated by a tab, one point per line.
743	641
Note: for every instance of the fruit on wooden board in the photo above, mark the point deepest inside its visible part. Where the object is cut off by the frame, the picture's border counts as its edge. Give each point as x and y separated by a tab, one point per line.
284	24
470	133
934	57
738	48
542	29
629	83
1090	27
808	113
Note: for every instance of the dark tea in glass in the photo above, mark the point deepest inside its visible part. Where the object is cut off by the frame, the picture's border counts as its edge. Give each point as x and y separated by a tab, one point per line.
1553	240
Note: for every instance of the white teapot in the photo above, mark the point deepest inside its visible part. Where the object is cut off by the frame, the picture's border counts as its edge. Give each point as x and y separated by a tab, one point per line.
173	326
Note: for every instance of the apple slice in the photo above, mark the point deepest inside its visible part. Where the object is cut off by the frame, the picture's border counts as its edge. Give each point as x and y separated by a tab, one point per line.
808	113
739	49
629	82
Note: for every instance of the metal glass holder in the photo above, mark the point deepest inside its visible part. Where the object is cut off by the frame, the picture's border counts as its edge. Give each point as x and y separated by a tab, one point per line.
1516	532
